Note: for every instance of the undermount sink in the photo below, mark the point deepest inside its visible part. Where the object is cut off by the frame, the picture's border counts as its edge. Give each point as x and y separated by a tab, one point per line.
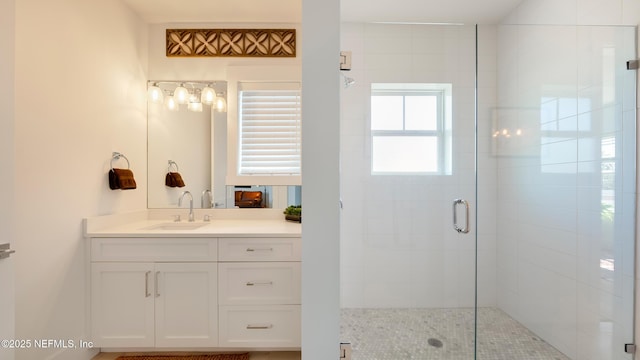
175	226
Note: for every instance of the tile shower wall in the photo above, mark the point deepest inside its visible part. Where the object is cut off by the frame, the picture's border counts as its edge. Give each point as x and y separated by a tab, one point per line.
566	185
398	247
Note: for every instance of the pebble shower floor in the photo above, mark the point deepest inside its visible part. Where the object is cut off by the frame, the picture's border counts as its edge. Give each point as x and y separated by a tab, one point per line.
439	334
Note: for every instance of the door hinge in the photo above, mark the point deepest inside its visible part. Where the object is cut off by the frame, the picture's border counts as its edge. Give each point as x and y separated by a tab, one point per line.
345	60
345	351
633	64
630	348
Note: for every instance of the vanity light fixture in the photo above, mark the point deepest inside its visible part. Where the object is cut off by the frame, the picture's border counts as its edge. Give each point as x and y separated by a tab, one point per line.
181	94
221	103
193	94
154	93
194	101
195	106
208	95
170	103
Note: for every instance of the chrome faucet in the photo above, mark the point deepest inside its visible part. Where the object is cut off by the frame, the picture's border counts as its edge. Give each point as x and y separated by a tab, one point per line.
191	217
209	199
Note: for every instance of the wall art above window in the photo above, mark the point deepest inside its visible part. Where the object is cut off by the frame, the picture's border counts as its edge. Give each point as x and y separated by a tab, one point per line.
231	42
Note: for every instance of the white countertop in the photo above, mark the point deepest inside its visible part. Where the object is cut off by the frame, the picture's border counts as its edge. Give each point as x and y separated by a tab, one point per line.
155	224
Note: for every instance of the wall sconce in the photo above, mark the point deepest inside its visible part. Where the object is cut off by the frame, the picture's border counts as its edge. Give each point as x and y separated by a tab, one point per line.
193	94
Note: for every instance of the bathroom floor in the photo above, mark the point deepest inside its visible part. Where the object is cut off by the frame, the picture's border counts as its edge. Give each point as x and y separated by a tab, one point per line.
442	334
280	355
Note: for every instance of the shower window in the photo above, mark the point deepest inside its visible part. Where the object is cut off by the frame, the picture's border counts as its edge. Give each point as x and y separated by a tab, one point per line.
410	128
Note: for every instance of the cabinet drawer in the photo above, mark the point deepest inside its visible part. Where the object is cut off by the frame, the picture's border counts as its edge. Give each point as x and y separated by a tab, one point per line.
259	283
154	249
260	326
259	249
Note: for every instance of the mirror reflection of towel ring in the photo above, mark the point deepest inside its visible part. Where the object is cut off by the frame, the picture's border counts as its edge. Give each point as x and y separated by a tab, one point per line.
173	163
116	156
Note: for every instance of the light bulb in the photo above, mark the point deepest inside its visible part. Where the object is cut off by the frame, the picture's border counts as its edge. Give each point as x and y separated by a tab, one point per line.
195	106
221	103
170	103
181	94
208	95
154	94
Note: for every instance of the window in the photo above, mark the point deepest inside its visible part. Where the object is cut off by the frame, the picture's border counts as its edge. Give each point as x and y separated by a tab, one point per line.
269	129
411	128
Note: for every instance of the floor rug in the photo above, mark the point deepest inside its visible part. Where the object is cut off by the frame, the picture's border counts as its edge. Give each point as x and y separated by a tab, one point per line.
244	356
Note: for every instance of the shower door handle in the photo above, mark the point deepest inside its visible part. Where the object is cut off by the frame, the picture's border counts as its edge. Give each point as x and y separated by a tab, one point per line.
457	202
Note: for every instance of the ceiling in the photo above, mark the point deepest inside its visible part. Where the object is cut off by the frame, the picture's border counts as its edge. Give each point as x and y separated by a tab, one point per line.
289	11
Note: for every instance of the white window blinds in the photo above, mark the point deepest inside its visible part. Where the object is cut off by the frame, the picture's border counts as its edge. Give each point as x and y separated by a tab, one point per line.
269	124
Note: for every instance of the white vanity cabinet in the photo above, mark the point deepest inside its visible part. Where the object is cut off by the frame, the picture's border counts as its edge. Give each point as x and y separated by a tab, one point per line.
240	292
154	292
259	292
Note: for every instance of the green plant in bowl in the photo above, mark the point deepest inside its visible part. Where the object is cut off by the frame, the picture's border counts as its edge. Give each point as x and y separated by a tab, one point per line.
293	213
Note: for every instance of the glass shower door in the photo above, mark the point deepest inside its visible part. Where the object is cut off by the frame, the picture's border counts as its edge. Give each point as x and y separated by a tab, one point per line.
407	154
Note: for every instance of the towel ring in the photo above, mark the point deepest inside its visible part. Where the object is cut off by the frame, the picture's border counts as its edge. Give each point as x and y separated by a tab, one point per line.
116	156
172	163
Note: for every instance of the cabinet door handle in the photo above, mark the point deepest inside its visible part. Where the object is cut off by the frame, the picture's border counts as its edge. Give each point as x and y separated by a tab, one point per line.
146	284
156	284
257	283
259	326
5	251
259	249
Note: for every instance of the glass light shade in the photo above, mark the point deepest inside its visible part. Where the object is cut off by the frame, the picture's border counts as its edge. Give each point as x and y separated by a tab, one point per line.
208	96
221	104
154	94
181	94
195	106
170	103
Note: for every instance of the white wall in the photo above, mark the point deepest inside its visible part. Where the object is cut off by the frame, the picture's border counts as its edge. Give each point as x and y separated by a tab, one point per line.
554	239
7	163
398	246
321	180
80	94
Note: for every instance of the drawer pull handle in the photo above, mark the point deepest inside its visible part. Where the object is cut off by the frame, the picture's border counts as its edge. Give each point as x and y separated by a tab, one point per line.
259	326
257	283
146	284
259	249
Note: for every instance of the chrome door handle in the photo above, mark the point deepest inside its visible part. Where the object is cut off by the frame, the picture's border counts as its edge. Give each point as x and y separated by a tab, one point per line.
464	229
5	251
146	284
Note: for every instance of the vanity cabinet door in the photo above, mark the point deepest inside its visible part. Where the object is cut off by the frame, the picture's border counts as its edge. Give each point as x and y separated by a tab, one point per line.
122	304
186	304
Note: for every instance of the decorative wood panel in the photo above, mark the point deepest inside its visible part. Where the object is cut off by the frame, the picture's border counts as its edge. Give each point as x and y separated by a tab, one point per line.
231	42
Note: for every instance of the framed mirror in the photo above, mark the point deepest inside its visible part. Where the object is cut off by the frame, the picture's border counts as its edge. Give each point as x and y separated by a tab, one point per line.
192	142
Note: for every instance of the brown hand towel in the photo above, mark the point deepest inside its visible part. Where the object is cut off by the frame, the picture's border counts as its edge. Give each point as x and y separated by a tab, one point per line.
173	179
121	179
